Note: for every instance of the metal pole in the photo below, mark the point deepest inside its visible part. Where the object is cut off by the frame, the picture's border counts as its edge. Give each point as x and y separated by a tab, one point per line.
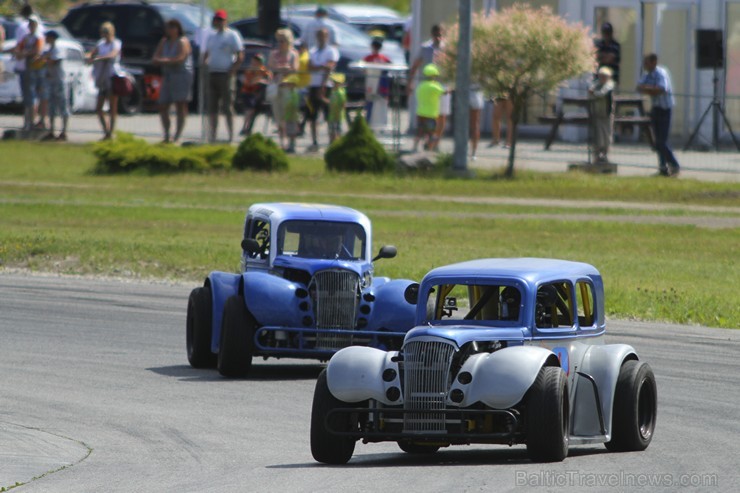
461	118
202	72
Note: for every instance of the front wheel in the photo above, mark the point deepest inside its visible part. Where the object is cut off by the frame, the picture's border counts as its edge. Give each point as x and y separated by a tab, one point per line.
635	408
327	447
198	329
548	416
237	339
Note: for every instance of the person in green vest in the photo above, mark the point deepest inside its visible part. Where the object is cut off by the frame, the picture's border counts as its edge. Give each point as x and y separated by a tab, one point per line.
292	108
428	95
337	104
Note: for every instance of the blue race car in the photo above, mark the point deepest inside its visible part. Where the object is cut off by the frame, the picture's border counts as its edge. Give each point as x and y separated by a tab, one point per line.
306	289
506	351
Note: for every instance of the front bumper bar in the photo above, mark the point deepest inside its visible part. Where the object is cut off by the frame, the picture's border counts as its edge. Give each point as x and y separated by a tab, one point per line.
301	347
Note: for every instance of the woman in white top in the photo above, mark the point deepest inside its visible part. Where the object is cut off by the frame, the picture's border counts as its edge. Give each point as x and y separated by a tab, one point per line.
105	58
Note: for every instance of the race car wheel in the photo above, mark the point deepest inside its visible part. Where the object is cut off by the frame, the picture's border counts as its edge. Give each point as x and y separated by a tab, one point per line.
417	448
198	329
237	339
327	447
635	408
548	416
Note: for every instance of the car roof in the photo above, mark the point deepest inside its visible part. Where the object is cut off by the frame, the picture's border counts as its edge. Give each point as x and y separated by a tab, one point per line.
282	211
533	270
357	13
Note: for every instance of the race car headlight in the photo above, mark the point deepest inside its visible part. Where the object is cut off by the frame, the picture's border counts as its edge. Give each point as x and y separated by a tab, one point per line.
367	279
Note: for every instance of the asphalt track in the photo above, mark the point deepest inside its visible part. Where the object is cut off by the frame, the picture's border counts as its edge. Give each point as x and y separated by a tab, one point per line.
96	396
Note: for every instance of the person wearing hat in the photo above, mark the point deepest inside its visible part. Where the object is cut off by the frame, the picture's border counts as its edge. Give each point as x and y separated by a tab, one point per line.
252	92
428	95
337	105
320	21
224	55
429	52
57	88
174	56
602	118
608	51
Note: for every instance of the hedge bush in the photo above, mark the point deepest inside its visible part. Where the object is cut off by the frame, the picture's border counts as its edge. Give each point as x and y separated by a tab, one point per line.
358	151
126	154
259	153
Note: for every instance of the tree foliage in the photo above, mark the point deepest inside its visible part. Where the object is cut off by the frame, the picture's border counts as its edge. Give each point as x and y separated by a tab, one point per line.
522	51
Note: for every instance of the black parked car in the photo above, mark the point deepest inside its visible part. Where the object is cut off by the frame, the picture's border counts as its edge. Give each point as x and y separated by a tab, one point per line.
354	45
139	26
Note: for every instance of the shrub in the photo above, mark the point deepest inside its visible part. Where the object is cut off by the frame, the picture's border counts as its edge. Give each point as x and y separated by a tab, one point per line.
358	151
126	154
260	153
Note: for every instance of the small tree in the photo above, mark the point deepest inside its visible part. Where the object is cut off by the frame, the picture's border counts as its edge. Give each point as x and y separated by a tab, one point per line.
522	51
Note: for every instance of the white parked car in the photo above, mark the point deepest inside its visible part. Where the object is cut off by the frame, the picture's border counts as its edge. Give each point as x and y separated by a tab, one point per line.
82	91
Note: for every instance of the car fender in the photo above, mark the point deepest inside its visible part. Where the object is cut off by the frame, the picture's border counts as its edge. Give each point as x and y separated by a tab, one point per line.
390	310
272	300
602	362
355	374
500	379
223	285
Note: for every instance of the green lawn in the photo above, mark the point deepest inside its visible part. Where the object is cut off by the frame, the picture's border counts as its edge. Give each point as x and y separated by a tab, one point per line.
57	216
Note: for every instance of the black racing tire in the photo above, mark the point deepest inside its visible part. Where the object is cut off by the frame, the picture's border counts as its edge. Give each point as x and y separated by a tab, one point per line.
417	448
198	329
635	408
548	416
327	447
237	339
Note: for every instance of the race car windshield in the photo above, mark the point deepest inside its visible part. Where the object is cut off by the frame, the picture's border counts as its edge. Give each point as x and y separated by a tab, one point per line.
322	239
484	303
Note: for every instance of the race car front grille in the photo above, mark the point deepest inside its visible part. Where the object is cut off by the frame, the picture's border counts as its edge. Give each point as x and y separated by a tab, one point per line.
336	299
426	367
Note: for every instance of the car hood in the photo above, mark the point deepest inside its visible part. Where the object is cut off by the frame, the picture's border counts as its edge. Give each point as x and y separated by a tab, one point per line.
462	334
312	265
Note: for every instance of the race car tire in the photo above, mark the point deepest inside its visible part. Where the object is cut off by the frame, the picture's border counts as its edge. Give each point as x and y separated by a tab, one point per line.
237	339
327	447
635	408
417	448
548	416
198	329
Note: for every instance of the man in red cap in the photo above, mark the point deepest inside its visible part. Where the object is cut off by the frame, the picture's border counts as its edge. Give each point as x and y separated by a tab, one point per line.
223	57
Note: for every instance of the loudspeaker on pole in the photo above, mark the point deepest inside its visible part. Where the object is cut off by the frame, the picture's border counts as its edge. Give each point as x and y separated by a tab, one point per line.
709	48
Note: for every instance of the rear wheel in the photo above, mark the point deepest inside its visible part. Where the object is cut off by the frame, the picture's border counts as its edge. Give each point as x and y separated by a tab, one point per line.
198	329
417	448
237	339
548	416
327	447
635	408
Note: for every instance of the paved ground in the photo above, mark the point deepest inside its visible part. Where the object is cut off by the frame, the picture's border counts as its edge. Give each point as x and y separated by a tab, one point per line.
99	367
633	159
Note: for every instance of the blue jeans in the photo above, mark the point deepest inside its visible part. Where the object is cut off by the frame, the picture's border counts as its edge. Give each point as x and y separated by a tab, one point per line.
662	126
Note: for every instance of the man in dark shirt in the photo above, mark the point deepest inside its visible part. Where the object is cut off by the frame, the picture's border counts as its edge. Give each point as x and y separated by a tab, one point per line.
608	51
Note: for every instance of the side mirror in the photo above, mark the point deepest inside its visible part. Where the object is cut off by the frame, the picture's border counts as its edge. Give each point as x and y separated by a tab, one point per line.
388	251
411	294
250	245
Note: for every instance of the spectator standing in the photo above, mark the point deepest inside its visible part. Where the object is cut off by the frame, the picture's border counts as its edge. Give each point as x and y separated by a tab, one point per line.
223	57
337	105
476	106
252	92
378	87
502	108
656	82
608	51
428	95
322	61
428	54
283	62
601	112
21	32
31	49
291	109
58	104
105	58
320	21
304	75
174	56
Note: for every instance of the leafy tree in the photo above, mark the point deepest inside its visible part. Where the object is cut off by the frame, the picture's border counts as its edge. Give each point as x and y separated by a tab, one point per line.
522	51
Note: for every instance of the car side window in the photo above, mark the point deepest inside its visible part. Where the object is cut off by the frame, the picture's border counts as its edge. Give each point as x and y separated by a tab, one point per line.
554	306
585	304
259	229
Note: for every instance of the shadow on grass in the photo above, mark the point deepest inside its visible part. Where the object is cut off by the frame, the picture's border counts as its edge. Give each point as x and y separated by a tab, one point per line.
260	373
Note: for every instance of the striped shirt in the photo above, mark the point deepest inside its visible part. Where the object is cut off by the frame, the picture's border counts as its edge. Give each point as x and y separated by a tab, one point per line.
660	78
